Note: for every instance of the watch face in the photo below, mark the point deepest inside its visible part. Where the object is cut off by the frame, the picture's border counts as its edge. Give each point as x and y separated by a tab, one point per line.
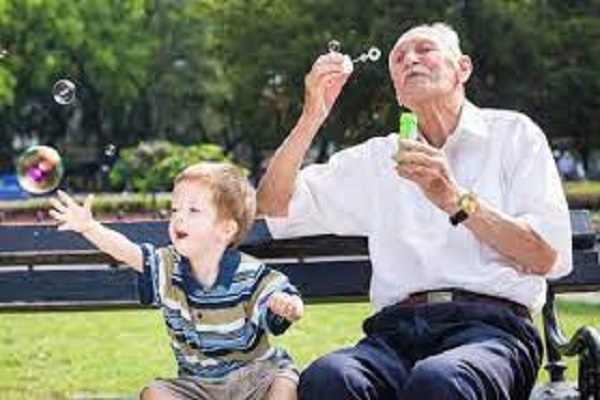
468	203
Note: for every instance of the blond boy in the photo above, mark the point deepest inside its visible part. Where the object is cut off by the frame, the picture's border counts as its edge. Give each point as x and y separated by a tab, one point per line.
218	305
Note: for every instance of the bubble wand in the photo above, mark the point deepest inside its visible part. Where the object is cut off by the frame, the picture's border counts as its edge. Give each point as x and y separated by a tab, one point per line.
372	55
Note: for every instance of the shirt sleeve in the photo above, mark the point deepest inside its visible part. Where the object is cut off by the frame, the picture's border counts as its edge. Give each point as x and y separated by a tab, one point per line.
271	282
332	197
148	280
535	194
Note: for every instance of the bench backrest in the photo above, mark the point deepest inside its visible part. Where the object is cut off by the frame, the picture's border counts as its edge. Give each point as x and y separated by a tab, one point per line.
321	266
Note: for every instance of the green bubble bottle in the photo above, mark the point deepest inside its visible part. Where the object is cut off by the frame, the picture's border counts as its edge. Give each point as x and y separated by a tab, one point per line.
408	126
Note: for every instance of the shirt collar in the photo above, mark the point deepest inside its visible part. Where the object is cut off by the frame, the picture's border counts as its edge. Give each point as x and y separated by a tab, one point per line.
470	123
228	265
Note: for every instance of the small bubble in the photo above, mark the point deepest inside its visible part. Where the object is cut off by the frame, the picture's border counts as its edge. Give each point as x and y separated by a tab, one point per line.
110	150
63	92
374	53
3	53
39	169
334	46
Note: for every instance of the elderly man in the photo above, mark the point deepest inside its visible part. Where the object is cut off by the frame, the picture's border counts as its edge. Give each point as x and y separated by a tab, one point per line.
464	225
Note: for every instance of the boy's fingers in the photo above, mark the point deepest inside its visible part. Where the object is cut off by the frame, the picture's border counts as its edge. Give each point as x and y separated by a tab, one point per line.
57	204
56	215
88	201
69	202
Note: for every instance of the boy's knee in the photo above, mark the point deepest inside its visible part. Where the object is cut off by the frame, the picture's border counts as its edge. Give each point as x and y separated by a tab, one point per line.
282	388
153	392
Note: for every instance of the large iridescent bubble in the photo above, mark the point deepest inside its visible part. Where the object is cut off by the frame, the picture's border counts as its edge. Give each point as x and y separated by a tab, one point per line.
39	169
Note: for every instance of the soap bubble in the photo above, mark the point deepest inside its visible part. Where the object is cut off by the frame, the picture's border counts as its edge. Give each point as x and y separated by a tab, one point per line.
374	53
334	46
63	92
39	169
110	150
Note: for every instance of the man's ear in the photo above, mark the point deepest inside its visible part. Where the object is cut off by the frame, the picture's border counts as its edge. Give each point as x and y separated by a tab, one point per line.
465	67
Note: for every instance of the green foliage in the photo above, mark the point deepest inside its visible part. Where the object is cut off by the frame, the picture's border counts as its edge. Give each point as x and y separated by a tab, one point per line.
231	72
105	206
152	166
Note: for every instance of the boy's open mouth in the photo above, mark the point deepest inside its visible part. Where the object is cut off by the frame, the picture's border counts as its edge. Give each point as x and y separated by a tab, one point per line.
180	235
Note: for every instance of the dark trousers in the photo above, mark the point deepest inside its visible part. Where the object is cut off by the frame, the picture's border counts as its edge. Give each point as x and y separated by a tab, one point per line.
432	351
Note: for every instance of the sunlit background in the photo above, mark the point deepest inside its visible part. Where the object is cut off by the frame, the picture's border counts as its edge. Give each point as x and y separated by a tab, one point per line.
129	91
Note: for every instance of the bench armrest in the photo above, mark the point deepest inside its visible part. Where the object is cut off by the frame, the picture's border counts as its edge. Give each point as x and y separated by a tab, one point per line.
585	344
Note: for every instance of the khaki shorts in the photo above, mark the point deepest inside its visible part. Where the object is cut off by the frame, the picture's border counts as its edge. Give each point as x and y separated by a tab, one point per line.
251	382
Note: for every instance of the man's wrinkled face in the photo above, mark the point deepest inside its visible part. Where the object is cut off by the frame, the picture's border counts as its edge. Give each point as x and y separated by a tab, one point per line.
423	66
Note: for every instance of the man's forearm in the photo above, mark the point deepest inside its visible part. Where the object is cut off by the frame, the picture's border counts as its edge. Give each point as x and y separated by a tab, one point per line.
514	239
277	185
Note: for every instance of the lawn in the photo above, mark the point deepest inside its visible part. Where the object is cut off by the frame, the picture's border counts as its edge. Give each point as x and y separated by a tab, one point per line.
112	354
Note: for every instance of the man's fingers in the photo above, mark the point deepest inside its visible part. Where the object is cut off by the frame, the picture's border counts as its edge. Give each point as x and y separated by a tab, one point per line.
417	158
414	145
415	173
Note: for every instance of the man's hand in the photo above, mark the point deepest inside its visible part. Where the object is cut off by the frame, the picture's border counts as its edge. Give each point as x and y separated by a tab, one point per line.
427	167
286	305
324	83
70	215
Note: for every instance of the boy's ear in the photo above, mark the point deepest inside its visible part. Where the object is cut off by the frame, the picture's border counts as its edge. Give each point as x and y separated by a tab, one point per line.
230	229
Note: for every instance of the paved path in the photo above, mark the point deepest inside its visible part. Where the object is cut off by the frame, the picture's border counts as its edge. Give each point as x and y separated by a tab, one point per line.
592	297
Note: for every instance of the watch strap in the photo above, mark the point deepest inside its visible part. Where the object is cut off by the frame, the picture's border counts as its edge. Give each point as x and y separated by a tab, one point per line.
458	217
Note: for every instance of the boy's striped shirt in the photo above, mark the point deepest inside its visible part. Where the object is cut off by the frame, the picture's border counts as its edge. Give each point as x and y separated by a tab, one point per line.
216	330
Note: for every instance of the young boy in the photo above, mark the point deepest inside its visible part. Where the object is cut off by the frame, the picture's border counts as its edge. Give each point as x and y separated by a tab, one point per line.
218	304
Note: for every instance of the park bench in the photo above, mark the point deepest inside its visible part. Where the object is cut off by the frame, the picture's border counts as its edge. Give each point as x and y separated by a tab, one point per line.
42	269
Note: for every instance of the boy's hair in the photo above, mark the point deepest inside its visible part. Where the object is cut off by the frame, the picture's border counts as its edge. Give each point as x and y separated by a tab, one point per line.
232	194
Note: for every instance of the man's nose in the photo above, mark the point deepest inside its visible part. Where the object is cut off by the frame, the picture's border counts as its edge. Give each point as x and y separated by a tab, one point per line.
410	58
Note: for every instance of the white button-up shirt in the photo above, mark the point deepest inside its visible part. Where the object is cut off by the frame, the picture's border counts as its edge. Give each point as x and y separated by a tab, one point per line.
502	156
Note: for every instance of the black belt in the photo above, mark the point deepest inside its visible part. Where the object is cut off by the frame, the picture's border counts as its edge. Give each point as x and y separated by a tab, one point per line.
457	295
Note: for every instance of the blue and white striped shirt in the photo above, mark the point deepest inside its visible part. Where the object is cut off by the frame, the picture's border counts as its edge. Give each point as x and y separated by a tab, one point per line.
216	330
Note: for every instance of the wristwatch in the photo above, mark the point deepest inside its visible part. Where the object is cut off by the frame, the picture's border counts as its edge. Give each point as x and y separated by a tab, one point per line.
467	205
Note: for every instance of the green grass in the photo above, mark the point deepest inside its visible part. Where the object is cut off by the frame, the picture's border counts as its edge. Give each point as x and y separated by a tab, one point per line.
68	355
584	187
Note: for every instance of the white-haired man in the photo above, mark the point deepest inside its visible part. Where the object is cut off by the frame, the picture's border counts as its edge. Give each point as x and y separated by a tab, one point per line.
464	224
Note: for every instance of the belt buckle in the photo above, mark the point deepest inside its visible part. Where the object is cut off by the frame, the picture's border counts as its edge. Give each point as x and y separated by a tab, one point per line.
439	297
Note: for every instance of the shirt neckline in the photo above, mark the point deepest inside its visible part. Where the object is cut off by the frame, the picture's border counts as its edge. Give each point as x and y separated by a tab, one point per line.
228	265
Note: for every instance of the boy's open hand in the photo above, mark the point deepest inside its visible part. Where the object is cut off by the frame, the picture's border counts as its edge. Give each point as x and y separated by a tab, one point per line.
70	215
286	305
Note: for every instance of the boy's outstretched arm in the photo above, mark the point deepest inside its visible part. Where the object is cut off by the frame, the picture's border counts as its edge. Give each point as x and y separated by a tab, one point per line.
72	216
